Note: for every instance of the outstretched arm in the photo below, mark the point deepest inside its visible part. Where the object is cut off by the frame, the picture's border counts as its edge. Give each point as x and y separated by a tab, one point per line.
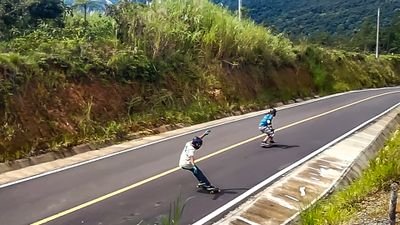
205	134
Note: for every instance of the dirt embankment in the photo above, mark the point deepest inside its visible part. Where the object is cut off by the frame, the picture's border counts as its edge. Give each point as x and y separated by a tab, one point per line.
38	118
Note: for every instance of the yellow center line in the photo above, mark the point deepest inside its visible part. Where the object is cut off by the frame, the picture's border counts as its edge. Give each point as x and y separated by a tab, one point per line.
109	195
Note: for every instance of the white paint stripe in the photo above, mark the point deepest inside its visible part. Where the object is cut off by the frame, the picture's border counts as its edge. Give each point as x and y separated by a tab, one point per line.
291	197
256	188
314	168
250	115
313	174
280	201
247	221
310	182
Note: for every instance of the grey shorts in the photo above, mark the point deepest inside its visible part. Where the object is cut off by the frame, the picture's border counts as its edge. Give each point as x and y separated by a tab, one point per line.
267	130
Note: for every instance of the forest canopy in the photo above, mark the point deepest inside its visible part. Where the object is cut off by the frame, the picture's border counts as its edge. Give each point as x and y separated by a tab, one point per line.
350	24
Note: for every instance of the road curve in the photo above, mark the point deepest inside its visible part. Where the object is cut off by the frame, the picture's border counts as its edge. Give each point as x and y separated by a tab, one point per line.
82	194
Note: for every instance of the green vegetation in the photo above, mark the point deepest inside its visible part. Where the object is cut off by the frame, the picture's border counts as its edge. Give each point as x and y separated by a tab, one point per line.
18	17
137	67
305	17
175	213
340	23
99	78
340	206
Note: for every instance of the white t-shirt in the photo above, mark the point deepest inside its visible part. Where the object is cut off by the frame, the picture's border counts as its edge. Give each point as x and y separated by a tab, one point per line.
187	152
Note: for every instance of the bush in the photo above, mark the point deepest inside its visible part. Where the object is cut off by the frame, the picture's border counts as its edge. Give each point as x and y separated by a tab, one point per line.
131	65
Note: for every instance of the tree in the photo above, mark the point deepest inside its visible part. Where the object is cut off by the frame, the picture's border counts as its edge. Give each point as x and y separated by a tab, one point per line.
47	10
89	5
364	38
391	37
21	16
321	37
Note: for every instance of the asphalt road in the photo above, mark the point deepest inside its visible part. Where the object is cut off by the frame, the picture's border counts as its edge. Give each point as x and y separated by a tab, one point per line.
234	171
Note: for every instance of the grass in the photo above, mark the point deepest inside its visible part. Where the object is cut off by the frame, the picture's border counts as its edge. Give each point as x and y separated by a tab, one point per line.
340	206
175	212
186	61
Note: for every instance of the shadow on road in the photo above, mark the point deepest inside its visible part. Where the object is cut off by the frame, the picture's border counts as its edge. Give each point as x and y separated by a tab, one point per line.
282	146
232	191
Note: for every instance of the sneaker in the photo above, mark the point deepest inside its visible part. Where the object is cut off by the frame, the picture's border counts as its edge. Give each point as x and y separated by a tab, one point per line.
271	141
201	185
264	144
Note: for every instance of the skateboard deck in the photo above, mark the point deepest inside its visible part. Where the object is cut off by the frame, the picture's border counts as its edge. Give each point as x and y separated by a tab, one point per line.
211	190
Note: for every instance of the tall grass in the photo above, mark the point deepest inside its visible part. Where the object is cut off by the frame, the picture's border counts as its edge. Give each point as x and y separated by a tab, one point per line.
175	212
173	56
337	71
339	207
198	27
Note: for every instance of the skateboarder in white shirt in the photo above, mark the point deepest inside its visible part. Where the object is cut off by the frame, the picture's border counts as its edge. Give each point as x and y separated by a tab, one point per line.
187	161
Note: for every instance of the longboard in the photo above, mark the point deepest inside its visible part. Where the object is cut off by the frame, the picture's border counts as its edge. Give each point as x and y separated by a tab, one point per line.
212	190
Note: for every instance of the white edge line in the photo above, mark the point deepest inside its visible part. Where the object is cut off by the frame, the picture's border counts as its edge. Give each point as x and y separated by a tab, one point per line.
256	188
250	115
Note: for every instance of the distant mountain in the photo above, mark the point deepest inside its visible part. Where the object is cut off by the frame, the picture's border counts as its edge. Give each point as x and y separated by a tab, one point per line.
93	5
71	2
305	17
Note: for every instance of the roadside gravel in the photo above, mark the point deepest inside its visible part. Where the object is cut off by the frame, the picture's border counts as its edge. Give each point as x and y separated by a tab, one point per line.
374	210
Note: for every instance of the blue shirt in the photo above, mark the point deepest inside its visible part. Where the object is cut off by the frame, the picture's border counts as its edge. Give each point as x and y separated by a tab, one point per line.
266	120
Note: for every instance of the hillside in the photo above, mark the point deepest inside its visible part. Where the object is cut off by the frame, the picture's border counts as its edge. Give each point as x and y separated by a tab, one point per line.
304	17
67	79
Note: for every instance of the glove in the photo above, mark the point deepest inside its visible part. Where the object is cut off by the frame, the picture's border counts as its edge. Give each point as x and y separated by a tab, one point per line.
195	169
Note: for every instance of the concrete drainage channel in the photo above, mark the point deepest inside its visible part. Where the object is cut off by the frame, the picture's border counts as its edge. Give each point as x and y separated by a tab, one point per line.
302	184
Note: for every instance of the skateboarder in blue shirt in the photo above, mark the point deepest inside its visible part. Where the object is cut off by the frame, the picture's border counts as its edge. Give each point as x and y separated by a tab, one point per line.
265	126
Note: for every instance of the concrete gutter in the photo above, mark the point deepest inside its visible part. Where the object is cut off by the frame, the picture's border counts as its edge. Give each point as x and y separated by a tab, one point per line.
337	164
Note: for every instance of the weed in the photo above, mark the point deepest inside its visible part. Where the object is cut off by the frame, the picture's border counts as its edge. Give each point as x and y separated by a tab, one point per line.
340	206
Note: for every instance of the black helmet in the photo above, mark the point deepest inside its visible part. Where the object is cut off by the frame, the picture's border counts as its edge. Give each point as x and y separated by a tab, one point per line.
272	112
197	142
